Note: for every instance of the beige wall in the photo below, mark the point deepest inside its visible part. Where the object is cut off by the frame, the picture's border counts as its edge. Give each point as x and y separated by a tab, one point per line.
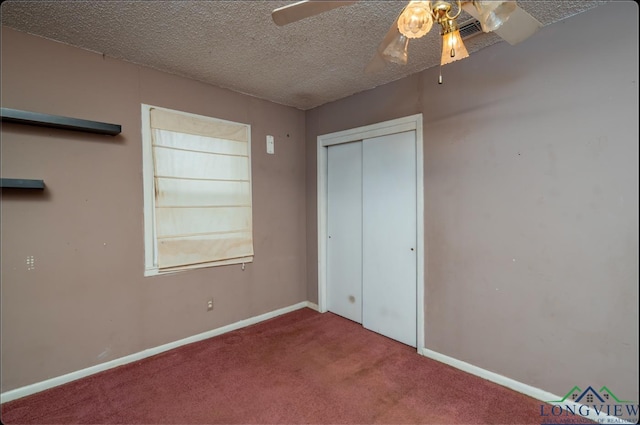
530	155
87	301
531	201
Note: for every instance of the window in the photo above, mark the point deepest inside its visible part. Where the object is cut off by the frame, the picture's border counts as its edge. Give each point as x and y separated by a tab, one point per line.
197	191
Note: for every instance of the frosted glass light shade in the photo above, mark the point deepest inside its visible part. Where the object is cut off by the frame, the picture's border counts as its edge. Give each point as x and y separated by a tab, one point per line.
398	50
494	13
416	20
453	48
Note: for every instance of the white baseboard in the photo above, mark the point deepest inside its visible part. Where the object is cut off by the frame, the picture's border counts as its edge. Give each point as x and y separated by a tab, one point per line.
313	306
59	380
523	388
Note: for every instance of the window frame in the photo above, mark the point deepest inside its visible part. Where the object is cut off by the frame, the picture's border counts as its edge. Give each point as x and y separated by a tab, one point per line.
150	240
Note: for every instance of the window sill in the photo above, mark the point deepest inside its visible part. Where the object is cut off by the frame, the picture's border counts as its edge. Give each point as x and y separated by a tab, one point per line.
155	271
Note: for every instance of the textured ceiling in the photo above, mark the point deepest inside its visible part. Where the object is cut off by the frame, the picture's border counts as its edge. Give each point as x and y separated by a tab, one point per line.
236	45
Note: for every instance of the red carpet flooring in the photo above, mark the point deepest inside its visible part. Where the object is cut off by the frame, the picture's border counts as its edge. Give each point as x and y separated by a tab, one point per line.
303	367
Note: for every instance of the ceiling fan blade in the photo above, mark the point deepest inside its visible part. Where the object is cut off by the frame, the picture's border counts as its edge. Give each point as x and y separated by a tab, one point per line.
376	64
379	62
468	7
304	9
518	27
389	36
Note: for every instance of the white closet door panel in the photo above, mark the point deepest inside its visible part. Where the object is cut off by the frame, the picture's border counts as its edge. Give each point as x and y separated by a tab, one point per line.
344	225
389	236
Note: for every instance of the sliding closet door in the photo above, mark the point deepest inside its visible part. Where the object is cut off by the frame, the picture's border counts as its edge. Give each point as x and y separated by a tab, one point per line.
389	236
344	225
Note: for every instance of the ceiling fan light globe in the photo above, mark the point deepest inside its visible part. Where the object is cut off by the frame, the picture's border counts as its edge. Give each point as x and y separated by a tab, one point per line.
416	20
453	48
493	14
397	51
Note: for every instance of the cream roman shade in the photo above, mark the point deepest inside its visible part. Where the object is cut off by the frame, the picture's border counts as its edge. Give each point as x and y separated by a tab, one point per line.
202	185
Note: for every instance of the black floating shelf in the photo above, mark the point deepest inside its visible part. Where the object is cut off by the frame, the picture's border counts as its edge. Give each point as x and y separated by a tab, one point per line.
55	121
21	184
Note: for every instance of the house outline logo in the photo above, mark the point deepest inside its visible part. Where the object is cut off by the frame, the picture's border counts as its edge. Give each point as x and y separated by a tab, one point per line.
601	406
576	395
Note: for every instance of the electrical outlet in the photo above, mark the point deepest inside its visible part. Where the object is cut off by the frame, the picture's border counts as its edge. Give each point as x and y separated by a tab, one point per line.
210	305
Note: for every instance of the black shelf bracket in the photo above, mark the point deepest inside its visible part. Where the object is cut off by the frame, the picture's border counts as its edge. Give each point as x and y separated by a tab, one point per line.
21	184
55	121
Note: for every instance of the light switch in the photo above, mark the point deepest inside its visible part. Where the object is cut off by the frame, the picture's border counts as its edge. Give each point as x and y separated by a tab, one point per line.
270	145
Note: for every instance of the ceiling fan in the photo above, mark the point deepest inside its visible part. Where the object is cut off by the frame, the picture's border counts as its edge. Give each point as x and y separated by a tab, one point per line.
505	18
